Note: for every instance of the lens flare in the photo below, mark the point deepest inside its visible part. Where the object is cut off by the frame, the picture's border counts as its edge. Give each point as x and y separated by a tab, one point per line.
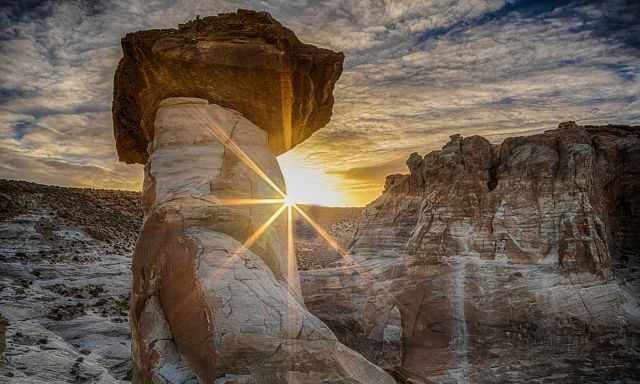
256	235
332	242
233	202
252	239
291	250
226	140
288	201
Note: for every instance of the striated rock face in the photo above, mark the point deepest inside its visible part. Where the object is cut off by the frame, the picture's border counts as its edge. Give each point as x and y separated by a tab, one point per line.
245	61
505	262
203	305
216	296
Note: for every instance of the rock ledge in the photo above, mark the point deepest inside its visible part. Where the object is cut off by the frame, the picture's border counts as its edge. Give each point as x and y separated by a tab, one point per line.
246	61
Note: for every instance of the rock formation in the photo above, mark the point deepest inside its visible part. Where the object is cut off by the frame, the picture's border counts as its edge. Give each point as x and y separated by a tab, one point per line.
506	263
65	280
215	295
245	61
65	257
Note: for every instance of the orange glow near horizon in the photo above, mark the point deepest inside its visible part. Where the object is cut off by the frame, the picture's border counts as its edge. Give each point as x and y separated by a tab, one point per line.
287	202
315	182
233	202
312	185
306	184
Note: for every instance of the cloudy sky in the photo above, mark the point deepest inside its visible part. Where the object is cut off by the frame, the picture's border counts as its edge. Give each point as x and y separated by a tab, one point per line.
416	71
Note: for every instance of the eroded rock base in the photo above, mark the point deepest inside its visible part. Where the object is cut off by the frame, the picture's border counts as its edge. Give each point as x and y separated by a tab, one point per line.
200	299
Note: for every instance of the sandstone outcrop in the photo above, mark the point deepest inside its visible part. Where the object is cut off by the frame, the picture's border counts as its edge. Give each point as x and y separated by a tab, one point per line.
215	294
65	256
245	61
65	280
506	262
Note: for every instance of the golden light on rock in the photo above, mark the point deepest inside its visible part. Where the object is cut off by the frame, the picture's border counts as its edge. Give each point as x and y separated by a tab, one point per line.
310	184
288	202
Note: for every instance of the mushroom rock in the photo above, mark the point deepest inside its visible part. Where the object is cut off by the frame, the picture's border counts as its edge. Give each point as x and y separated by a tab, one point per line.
216	296
245	61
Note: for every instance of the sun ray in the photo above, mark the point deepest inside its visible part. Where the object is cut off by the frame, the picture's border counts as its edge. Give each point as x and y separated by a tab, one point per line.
287	202
291	275
332	242
363	271
291	250
226	140
233	202
252	239
256	235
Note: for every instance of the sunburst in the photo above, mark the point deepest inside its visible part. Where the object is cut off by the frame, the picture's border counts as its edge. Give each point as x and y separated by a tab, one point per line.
228	142
286	203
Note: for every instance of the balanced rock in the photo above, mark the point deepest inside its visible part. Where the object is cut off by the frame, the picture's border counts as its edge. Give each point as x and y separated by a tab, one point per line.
216	294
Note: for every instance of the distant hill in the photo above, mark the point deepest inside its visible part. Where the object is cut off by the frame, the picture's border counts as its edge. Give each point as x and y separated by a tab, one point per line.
116	216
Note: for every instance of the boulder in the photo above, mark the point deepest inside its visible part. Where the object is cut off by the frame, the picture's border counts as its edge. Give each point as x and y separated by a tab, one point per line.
246	61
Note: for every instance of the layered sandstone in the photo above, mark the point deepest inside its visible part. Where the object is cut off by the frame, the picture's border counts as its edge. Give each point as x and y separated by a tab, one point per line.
202	303
505	262
216	293
246	61
65	274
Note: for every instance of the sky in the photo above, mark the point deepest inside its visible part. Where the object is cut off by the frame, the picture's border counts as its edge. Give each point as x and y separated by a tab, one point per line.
416	72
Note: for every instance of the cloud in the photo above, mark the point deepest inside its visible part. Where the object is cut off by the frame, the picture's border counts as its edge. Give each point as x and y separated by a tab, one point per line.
55	172
519	70
375	172
416	71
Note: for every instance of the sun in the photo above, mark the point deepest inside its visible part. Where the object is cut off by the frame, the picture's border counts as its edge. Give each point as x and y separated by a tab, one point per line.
289	201
309	183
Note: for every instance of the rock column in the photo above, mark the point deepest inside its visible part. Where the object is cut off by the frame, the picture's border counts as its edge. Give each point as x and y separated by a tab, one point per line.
216	297
203	304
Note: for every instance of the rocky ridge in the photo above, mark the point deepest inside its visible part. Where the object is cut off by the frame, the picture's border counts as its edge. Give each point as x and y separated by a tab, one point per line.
515	262
65	283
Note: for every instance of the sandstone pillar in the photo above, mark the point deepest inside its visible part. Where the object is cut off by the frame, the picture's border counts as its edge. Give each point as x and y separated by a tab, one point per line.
206	107
202	304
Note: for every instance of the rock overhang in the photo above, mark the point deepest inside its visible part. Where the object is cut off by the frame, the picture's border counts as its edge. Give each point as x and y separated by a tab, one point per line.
245	61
